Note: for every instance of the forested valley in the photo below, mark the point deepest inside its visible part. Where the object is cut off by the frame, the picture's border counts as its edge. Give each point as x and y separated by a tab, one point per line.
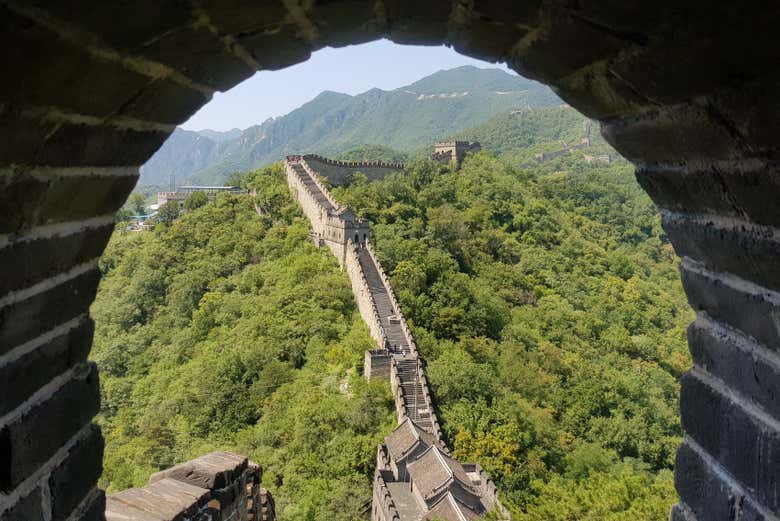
545	300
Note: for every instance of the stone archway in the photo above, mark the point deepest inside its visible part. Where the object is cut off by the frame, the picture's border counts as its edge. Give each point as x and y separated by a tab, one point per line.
686	90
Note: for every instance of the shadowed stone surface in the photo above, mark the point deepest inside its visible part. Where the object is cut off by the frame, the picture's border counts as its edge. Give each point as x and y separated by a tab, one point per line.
228	490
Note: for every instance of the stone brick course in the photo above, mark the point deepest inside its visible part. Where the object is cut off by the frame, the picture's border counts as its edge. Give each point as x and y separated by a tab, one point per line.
22	321
31	370
29	441
77	475
220	486
45	196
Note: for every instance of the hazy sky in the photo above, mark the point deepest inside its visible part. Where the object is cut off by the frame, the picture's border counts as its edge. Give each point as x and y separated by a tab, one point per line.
351	70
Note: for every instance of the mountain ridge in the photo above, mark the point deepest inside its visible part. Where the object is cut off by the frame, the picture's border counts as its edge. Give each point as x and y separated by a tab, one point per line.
441	104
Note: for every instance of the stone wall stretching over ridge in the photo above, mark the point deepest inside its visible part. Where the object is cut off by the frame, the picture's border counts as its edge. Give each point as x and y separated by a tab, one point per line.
412	347
354	164
331	224
395	358
366	305
339	172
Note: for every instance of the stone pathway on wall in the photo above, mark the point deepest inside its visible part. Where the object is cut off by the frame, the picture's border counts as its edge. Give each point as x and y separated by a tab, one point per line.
416	406
310	183
393	330
220	486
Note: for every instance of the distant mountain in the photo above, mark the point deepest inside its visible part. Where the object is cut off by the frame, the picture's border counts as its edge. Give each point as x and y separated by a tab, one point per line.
220	136
519	134
406	119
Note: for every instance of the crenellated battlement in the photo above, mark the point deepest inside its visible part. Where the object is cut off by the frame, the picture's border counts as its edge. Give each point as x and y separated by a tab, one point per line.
354	164
454	151
220	486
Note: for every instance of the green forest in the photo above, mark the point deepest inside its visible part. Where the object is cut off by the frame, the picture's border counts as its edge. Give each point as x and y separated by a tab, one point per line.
546	302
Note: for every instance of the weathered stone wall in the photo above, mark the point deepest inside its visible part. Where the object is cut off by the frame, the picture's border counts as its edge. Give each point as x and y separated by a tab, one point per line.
363	298
220	486
331	227
487	489
338	172
454	151
376	364
393	300
383	507
316	177
403	402
267	510
352	164
685	90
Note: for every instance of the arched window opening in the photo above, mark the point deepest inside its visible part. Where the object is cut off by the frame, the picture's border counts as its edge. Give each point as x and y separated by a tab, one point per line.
510	228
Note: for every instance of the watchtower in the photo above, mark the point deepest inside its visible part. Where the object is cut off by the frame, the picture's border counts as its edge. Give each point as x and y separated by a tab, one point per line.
454	151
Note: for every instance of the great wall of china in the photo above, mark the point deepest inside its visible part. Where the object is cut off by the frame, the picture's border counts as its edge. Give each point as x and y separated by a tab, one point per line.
416	478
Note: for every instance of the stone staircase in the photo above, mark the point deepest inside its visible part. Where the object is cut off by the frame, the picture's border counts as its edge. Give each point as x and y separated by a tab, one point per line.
309	182
393	330
415	404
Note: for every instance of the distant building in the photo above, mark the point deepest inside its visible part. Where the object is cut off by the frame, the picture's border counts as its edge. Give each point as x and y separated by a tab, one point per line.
603	158
454	151
181	194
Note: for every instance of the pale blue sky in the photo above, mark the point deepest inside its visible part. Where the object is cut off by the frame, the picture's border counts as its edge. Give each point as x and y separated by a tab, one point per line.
351	70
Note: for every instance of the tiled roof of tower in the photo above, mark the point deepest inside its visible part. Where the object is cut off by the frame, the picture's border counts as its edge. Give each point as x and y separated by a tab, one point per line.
434	470
406	437
450	508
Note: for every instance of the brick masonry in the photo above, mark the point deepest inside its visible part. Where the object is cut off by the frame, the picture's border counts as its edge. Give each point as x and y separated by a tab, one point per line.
220	486
686	90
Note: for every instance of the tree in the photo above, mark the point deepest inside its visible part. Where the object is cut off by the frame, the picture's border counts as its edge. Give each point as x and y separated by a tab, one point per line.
123	215
137	204
168	212
195	200
236	179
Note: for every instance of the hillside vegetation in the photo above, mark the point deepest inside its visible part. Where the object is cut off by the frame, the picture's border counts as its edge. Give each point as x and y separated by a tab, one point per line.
546	303
549	311
228	330
518	135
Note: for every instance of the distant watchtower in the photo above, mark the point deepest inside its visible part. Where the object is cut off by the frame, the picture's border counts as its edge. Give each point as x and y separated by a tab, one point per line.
454	151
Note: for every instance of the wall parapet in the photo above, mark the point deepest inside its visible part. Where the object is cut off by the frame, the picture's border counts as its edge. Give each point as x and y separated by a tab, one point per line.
403	402
353	164
300	185
316	178
429	401
487	488
383	499
220	486
362	292
393	300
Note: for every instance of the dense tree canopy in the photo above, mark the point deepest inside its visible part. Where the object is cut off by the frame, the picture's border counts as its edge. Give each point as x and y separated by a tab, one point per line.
229	330
546	303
